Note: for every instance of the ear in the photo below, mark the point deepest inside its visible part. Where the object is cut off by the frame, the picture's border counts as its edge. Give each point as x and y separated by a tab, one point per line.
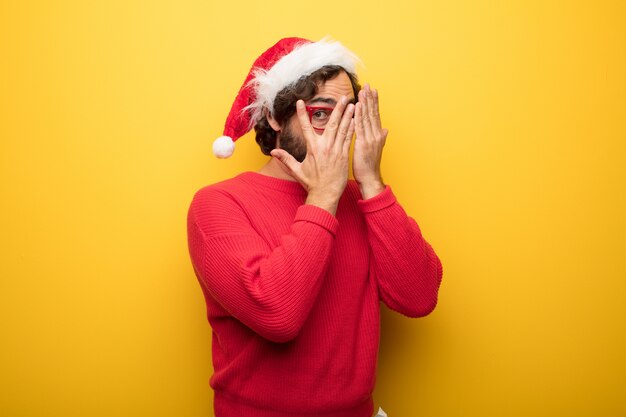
273	123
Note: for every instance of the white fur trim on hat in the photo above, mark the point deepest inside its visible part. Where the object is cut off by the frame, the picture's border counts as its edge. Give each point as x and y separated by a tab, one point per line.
303	60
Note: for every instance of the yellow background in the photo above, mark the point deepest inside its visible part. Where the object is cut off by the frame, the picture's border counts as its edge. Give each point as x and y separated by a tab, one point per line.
507	127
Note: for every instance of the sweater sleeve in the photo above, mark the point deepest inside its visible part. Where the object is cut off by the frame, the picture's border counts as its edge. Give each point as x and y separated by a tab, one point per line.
406	267
269	289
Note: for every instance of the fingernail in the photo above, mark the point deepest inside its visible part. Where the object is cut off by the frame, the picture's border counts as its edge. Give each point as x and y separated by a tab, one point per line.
344	99
300	103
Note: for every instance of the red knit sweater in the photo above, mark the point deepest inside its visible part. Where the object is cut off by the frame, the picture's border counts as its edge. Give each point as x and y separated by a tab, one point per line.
293	293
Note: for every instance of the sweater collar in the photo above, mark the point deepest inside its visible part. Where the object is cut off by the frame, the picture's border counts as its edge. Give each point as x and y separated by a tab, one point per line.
279	184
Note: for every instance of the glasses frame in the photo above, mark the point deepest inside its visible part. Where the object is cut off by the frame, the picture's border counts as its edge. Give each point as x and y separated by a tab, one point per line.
313	109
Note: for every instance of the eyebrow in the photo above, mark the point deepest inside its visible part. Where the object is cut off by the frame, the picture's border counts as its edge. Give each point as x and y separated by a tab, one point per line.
328	100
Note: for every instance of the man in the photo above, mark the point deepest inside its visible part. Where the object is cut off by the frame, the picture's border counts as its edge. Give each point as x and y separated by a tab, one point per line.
294	259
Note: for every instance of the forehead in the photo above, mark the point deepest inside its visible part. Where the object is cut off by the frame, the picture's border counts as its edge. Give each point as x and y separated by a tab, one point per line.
333	89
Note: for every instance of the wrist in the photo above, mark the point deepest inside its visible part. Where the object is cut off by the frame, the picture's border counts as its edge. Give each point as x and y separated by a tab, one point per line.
324	201
371	188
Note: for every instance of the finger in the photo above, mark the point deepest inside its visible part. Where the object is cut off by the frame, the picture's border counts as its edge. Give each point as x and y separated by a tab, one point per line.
358	126
366	124
375	111
305	124
383	138
371	108
330	131
288	163
348	141
344	126
370	101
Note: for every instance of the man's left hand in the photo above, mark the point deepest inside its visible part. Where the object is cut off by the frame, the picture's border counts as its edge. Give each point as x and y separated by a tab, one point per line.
368	146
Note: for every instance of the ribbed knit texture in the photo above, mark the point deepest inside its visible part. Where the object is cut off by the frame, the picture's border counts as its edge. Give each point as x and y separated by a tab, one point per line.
293	293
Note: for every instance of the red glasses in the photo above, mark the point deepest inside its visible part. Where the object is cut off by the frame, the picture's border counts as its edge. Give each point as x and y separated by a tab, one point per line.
319	116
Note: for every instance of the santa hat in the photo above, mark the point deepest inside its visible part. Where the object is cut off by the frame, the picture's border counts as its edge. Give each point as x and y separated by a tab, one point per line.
280	66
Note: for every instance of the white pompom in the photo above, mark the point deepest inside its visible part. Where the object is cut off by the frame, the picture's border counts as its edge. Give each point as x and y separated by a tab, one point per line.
223	147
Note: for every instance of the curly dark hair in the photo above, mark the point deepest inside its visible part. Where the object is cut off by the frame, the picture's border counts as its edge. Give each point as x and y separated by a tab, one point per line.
285	102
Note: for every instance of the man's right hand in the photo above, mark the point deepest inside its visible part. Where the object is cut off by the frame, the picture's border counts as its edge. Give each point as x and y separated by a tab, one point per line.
324	170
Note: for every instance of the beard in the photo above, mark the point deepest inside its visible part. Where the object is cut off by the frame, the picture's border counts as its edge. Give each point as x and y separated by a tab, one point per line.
292	144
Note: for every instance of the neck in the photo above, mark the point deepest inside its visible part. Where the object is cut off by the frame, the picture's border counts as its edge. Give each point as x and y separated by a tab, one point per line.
274	168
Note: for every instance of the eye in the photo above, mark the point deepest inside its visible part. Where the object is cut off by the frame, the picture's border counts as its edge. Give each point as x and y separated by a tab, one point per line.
321	115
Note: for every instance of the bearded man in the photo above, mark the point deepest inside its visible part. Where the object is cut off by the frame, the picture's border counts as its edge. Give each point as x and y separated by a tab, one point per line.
294	259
